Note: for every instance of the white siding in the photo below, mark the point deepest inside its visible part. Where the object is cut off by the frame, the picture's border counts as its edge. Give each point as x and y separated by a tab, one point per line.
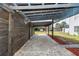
73	21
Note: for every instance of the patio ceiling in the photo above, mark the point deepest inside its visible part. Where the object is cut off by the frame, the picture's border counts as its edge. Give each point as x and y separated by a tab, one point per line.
43	11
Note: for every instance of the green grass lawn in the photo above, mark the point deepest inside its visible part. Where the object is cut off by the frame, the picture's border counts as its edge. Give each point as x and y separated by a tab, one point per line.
40	32
67	36
62	35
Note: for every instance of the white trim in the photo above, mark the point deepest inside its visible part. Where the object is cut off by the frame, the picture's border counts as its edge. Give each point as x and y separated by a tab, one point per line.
44	6
41	21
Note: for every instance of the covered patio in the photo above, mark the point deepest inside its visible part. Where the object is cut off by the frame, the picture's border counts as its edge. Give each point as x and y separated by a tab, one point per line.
20	22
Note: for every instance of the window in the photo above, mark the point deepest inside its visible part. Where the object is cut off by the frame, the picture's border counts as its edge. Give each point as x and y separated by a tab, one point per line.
76	29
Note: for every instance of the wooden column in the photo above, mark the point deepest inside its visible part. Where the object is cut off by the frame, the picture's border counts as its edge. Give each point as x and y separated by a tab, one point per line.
48	30
52	27
29	30
11	28
33	30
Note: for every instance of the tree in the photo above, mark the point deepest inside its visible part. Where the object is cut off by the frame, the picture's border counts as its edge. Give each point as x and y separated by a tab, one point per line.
61	26
64	25
58	27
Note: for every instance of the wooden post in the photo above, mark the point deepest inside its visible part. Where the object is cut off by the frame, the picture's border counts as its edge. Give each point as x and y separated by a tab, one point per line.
33	30
29	30
52	27
48	30
11	28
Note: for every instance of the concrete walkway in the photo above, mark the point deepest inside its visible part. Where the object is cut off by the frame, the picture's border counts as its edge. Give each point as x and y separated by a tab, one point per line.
42	45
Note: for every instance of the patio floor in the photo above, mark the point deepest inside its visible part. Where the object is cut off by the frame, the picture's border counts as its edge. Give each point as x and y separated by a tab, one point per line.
42	45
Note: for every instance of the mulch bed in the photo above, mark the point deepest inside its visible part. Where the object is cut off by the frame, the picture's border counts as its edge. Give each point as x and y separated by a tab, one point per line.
73	50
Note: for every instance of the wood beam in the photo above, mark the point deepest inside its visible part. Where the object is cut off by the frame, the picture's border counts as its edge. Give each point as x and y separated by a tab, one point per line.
44	13
45	6
6	7
40	11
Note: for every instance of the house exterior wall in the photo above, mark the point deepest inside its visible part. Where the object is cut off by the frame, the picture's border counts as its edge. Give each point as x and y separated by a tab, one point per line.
20	32
3	32
13	32
73	21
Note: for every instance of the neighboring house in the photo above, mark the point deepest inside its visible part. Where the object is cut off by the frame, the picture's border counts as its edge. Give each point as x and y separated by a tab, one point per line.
73	23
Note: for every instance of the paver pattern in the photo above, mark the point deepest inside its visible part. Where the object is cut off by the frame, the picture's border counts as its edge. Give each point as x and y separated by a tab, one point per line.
42	45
